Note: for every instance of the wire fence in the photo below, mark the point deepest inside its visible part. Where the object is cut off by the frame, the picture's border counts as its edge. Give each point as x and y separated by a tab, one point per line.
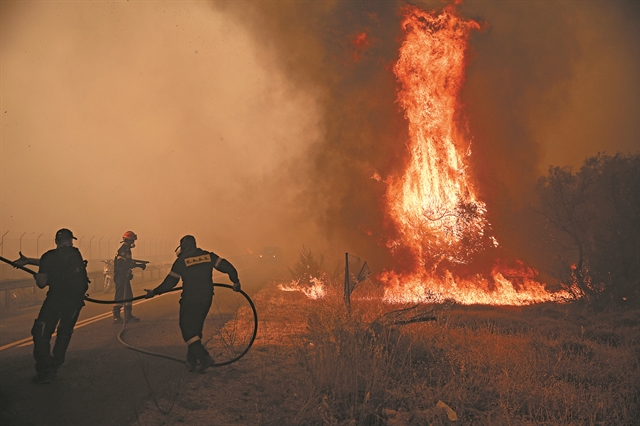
94	249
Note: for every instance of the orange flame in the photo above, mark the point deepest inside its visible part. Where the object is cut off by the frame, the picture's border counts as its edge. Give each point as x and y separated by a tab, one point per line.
317	289
434	205
496	290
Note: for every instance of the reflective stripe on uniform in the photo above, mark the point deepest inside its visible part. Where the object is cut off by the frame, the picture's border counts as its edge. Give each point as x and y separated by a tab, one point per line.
192	340
218	262
190	261
174	275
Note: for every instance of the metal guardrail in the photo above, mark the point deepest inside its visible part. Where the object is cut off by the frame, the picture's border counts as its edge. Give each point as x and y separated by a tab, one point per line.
152	272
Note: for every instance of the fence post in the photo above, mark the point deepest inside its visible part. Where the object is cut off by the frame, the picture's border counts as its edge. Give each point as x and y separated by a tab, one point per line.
38	246
2	244
90	246
21	241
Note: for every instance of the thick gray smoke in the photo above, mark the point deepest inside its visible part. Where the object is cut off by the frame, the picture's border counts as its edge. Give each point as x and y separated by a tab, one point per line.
549	83
342	52
539	76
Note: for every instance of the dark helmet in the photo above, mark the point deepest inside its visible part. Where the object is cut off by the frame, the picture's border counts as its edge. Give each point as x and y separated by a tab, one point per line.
64	235
187	242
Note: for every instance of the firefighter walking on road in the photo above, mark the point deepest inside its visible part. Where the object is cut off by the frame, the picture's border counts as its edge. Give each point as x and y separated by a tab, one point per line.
195	267
65	272
122	276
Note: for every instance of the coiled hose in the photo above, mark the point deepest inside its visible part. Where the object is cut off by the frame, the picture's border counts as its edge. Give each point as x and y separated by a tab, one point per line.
215	364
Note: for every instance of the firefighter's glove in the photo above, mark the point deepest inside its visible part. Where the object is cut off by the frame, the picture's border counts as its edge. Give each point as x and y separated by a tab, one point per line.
22	261
150	294
236	286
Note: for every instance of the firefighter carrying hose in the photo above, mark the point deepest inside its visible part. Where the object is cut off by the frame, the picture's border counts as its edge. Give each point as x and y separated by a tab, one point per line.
65	272
195	267
122	275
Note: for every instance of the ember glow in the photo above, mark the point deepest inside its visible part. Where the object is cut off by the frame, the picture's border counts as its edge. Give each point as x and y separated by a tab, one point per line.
434	204
316	290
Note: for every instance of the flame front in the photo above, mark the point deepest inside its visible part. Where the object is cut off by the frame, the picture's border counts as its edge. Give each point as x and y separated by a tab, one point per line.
496	290
434	205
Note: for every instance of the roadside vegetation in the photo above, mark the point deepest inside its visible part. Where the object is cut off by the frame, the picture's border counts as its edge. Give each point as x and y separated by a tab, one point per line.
546	364
315	362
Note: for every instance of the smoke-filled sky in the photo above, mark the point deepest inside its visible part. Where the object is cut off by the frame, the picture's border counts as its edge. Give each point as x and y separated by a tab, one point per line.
150	116
256	123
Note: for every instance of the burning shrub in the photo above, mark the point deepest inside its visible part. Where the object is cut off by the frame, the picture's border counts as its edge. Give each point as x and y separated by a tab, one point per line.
307	268
308	276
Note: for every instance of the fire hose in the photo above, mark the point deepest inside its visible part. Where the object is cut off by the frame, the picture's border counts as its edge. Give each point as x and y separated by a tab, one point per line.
215	364
120	339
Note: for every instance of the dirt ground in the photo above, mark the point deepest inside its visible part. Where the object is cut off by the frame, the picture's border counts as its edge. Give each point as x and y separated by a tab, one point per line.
265	387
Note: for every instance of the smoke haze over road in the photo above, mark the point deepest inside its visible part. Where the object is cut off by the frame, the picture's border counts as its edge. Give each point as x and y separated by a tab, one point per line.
155	117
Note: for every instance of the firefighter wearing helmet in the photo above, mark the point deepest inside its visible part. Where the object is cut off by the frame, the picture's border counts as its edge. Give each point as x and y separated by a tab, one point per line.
195	267
122	275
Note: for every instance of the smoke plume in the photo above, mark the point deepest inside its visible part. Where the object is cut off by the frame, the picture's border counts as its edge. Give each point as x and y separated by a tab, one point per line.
527	71
276	123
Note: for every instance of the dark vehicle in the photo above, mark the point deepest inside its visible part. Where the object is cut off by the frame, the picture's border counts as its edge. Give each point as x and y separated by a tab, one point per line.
271	255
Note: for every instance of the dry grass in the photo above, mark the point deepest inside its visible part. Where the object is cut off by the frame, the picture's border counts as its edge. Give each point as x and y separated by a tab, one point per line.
550	364
314	364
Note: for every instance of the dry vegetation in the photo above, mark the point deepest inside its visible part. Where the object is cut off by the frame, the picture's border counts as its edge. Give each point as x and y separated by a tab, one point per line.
537	365
313	364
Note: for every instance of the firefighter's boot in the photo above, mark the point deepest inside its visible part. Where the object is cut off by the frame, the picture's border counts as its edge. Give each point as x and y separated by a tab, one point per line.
192	358
205	363
128	315
204	358
45	365
60	349
117	319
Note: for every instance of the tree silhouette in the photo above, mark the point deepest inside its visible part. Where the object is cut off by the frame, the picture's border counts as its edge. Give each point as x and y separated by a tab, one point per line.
592	219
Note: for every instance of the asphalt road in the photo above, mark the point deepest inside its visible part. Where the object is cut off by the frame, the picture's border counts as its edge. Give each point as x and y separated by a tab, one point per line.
102	382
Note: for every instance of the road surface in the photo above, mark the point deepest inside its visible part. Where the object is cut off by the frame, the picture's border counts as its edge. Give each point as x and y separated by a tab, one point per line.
102	382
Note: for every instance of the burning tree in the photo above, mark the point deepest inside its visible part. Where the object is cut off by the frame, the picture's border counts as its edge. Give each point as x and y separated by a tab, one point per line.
434	204
441	221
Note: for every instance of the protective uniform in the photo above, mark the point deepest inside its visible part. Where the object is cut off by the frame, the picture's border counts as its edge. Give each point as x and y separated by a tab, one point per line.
68	283
195	267
122	276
